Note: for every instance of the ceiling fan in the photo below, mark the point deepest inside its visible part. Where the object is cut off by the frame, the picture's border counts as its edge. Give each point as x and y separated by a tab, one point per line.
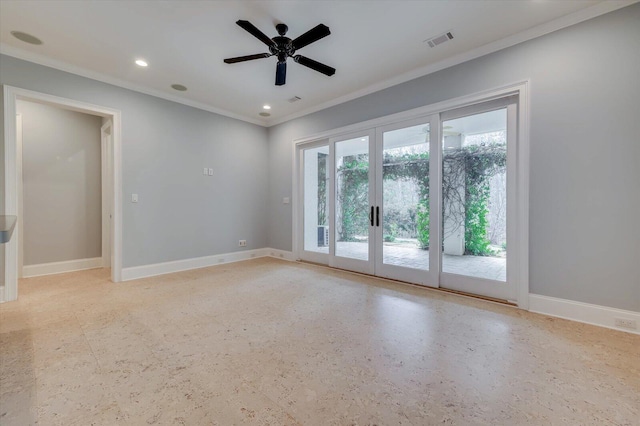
283	47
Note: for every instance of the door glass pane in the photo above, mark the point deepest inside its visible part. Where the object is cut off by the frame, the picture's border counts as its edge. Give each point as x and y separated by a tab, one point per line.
474	195
352	198
405	197
316	202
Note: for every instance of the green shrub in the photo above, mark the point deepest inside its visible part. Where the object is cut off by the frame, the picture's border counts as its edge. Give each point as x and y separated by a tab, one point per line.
390	232
422	223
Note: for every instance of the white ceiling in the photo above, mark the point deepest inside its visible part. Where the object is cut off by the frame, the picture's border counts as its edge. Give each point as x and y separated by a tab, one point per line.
373	44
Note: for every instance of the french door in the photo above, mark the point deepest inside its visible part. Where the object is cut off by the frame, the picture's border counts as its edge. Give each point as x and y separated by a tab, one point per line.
429	201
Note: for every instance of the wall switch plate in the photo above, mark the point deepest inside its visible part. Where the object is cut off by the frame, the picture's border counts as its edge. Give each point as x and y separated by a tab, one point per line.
205	171
134	198
285	200
210	172
242	243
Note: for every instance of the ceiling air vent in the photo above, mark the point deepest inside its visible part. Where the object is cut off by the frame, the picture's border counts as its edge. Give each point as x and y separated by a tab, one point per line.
294	99
439	39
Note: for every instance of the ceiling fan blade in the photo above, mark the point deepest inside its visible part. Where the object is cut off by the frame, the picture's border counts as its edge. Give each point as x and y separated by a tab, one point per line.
254	31
281	73
246	58
314	65
314	34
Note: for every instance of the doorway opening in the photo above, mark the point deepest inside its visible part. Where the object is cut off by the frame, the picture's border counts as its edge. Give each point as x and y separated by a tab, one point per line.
105	189
63	183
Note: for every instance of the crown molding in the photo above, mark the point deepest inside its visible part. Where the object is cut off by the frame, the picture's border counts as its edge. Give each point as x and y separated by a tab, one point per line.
94	75
534	32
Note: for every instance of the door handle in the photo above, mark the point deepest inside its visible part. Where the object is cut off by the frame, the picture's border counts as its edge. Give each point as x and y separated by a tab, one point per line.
371	216
377	215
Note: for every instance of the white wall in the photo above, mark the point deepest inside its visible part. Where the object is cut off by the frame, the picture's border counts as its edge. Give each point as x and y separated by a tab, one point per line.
585	151
62	190
181	214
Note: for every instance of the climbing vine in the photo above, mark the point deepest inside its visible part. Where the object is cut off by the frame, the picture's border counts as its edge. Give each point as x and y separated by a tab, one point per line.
465	189
352	191
322	189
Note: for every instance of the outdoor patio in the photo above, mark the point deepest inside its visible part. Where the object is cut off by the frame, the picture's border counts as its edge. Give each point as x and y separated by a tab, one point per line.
492	268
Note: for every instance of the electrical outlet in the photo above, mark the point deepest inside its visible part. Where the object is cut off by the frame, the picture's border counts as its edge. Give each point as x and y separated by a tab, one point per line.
242	243
626	323
205	171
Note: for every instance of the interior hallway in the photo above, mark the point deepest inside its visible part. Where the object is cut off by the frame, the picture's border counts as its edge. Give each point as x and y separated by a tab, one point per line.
273	342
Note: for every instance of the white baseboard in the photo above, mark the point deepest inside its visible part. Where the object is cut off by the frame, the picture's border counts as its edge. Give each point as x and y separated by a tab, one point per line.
60	267
143	271
602	316
280	254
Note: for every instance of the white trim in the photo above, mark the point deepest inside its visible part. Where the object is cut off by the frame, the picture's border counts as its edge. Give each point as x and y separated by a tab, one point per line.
336	260
427	277
602	316
11	96
94	75
521	89
61	267
423	111
137	272
19	173
529	34
522	202
280	254
106	175
297	201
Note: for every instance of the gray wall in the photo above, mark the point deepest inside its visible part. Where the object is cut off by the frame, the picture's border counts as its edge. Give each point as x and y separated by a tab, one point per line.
62	189
585	151
181	213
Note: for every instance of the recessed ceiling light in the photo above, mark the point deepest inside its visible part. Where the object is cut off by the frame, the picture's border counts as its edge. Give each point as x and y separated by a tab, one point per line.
266	107
363	139
141	63
179	87
27	38
264	114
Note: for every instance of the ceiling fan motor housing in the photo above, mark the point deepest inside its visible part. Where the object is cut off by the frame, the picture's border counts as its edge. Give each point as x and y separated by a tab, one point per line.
283	47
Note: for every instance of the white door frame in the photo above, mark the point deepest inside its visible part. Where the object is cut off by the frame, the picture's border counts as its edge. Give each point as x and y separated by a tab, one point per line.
351	264
306	255
11	96
428	277
469	284
20	214
521	89
106	152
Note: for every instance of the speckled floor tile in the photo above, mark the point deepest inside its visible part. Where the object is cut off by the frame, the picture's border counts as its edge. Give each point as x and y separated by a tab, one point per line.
272	342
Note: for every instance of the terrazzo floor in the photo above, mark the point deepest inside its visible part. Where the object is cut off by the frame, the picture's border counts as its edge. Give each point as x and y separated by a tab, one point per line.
269	342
